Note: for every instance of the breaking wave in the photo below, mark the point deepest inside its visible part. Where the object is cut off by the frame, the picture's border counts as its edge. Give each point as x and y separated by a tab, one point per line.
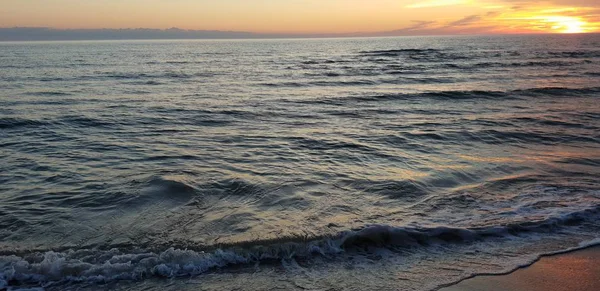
48	268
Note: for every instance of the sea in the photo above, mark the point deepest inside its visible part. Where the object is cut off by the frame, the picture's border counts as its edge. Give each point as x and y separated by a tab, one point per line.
398	163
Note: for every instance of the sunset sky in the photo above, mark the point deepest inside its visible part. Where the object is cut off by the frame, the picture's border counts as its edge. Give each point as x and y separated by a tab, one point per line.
311	16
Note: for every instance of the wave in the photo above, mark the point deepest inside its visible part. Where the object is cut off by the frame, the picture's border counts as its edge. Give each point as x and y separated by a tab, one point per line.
397	52
396	70
166	189
72	120
429	55
558	91
575	54
84	121
317	62
177	190
406	190
323	144
9	123
151	83
466	95
144	76
492	136
49	93
178	62
362	82
580	246
550	122
52	79
479	60
321	83
49	268
412	69
486	65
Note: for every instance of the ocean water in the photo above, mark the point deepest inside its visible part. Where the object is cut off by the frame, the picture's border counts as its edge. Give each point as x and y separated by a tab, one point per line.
323	164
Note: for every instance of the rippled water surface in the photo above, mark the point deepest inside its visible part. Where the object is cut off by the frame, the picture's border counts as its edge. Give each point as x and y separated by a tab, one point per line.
392	163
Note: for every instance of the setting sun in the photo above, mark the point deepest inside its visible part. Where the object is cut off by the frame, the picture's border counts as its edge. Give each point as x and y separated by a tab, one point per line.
566	24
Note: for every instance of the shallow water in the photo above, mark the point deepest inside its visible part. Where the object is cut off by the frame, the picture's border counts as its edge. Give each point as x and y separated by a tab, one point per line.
389	163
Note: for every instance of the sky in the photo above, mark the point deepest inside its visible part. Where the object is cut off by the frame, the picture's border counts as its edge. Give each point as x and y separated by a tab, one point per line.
387	17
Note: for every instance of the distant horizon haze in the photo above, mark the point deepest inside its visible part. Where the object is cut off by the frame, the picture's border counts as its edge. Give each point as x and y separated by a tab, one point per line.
53	34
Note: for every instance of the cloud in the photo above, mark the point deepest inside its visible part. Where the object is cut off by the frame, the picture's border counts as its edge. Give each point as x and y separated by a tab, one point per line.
553	15
437	3
471	24
420	24
465	21
570	3
511	16
493	13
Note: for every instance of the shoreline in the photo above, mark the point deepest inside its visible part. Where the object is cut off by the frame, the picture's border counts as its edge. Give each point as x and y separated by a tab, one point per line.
575	268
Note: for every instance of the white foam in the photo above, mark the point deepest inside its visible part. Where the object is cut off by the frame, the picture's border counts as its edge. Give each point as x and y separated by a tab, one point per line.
97	266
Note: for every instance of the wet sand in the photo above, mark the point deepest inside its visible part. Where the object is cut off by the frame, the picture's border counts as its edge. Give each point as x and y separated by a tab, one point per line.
578	270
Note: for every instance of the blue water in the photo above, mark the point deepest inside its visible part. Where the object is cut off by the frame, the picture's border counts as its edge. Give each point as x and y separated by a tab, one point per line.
343	164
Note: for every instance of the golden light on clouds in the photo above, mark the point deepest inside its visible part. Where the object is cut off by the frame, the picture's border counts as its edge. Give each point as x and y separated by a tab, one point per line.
559	20
516	16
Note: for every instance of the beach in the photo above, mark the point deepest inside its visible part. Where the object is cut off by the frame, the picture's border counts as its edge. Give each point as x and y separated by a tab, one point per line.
578	270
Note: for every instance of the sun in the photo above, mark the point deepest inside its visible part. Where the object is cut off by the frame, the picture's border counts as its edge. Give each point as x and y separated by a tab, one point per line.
565	24
548	21
573	27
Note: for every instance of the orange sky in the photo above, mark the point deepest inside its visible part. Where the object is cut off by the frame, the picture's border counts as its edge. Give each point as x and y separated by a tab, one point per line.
311	16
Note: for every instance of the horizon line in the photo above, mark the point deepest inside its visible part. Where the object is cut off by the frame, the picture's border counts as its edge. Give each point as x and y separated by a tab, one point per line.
11	34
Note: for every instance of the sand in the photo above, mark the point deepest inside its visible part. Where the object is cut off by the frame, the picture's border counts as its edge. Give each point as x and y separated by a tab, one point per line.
579	270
